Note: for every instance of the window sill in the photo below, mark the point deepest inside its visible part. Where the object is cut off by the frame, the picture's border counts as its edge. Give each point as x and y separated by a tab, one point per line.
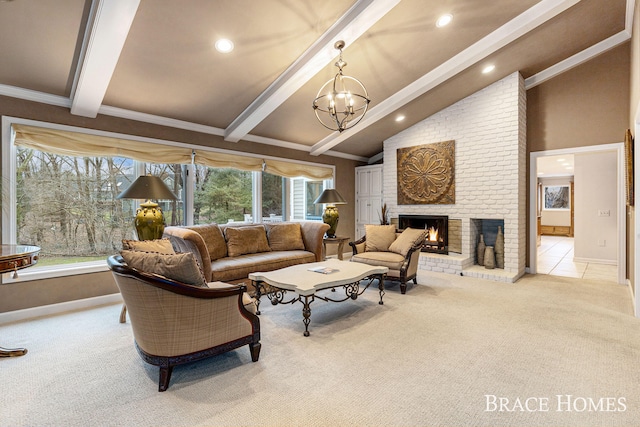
50	272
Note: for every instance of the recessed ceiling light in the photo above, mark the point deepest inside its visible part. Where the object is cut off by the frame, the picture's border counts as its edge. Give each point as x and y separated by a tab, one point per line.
488	69
444	20
399	118
224	45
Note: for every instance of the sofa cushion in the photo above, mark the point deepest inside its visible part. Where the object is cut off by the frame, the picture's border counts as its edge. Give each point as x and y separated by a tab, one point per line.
162	246
248	301
284	237
379	237
179	267
246	240
406	240
238	268
391	260
213	239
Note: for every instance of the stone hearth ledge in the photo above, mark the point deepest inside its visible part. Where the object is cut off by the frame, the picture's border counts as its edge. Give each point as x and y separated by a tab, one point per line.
456	263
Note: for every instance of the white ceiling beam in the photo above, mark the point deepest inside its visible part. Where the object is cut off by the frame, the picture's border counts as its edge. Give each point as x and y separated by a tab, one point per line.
358	19
107	32
509	32
577	59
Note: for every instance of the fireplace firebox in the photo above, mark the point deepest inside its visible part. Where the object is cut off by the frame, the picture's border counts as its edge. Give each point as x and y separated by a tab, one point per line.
436	240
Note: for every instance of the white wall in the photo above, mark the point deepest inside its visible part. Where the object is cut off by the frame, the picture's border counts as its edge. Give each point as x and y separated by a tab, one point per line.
596	234
556	217
489	130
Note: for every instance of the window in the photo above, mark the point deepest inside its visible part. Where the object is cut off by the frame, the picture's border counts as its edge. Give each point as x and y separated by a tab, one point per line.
67	203
304	193
221	195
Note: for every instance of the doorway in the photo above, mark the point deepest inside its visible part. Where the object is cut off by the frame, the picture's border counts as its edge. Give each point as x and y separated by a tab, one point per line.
620	220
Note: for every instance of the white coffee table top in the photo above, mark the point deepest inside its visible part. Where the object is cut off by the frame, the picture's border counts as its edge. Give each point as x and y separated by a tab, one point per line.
299	279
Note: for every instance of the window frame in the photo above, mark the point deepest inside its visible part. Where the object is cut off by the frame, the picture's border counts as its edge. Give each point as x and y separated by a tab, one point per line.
9	199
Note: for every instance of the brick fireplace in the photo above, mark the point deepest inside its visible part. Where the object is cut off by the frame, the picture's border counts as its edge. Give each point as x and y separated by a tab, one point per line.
489	130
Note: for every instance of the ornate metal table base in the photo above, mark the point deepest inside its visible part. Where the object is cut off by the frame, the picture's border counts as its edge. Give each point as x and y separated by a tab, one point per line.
351	291
12	352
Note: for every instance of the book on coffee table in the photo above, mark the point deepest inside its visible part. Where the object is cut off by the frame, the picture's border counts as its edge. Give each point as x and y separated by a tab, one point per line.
323	270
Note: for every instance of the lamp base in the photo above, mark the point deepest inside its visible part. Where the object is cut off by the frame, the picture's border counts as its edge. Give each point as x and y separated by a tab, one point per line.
331	217
149	221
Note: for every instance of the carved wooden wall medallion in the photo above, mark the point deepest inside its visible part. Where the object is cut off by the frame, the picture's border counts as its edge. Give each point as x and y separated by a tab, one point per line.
426	174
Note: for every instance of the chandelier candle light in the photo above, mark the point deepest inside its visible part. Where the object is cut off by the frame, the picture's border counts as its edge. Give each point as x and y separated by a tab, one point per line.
343	101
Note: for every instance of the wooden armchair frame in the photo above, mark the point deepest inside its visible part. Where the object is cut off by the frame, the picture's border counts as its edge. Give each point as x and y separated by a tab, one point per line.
408	270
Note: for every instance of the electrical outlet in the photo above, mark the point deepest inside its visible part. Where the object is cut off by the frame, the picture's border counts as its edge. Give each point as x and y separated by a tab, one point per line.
603	212
602	242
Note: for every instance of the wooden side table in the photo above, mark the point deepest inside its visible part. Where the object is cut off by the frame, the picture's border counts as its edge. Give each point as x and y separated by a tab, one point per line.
14	258
335	241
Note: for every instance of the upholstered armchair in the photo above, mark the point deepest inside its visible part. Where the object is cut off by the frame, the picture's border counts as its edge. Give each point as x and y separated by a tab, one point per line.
175	323
382	245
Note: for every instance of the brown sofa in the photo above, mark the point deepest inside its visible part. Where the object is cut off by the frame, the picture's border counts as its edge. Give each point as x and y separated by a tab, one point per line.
229	252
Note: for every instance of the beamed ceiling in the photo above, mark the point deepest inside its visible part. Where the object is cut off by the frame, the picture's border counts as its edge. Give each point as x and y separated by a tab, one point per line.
154	60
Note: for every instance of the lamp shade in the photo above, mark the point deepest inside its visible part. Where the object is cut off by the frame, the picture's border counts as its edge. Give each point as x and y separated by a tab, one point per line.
332	197
148	187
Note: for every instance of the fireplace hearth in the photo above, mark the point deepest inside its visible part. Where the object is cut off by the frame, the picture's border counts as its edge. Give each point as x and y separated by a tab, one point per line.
437	239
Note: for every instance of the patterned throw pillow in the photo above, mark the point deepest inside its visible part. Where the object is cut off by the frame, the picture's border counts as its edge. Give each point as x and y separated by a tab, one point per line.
162	246
181	267
246	240
285	237
406	240
379	237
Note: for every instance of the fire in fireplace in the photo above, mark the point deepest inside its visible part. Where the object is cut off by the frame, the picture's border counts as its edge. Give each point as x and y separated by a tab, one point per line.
436	240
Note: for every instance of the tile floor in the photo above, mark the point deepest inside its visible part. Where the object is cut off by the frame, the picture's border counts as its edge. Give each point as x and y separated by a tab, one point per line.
555	257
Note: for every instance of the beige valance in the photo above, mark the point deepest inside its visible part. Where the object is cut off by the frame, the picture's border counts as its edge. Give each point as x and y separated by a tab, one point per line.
216	159
80	144
294	170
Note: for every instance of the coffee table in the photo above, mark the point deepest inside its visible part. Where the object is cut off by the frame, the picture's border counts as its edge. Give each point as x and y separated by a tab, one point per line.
306	284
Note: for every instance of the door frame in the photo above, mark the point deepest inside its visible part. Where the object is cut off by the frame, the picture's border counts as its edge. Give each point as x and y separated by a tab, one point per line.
620	190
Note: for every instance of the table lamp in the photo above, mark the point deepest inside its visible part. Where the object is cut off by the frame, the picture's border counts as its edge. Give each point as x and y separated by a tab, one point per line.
149	220
331	197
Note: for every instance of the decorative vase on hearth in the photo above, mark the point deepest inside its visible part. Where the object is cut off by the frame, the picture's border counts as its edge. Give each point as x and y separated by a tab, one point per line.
480	250
489	258
499	248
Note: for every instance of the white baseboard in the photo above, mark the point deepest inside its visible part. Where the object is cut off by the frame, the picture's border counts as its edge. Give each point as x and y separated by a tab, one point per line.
595	261
46	310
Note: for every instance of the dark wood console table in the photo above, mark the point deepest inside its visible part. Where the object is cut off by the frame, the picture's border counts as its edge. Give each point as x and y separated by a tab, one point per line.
14	258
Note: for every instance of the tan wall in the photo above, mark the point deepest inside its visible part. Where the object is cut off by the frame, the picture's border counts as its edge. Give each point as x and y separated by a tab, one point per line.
587	105
49	291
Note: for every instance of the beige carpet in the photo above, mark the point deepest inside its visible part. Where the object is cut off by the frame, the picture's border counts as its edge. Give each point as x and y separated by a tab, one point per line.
429	357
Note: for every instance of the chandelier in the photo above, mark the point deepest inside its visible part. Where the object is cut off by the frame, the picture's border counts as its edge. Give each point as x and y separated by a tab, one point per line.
342	101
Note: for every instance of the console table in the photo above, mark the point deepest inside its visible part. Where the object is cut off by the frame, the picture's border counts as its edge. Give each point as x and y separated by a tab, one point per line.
14	258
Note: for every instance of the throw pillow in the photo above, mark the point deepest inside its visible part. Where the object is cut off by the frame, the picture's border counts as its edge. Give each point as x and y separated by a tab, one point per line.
162	246
406	240
179	267
246	240
213	239
379	237
285	237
